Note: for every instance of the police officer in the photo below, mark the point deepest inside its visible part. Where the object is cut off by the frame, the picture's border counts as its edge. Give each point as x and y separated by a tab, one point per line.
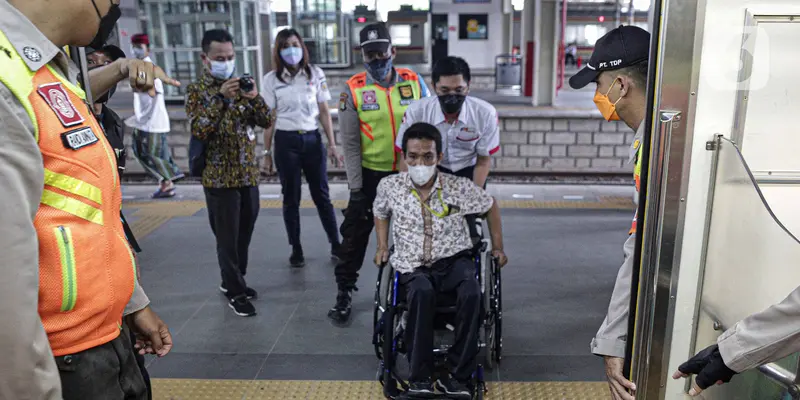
61	335
618	67
370	111
759	339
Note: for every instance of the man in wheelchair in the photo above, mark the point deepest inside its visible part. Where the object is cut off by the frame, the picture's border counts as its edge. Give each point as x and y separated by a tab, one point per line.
433	255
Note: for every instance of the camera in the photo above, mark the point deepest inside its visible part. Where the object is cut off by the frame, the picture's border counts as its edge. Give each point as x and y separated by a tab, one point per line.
246	83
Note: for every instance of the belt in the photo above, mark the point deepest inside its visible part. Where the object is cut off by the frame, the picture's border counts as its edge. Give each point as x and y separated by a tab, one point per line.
299	132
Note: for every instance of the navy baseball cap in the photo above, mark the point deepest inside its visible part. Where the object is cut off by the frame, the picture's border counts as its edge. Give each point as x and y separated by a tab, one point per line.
622	47
111	51
375	38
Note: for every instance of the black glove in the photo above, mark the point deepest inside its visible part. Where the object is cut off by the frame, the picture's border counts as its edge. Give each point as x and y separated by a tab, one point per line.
709	367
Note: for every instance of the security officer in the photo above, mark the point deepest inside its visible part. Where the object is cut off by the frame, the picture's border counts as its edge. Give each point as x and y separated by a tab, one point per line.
618	67
68	273
759	339
370	111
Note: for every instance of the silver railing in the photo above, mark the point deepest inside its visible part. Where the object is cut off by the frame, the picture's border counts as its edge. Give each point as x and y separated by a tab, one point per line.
774	372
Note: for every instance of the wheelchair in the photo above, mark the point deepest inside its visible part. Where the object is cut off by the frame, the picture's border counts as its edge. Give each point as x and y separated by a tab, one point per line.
389	323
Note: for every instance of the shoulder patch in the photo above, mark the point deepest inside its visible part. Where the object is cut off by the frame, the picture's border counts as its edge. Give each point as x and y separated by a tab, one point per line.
343	101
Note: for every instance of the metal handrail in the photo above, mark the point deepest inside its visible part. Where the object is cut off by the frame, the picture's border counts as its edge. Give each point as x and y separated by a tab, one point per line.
774	372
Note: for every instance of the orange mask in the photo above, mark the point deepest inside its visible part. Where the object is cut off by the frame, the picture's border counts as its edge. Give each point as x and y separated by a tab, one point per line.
604	104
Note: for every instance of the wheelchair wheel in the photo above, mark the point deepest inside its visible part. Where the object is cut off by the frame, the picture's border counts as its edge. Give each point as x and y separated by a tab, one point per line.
382	288
480	391
498	314
490	335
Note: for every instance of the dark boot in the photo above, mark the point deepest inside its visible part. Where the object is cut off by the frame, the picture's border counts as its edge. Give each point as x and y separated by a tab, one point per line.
340	313
297	260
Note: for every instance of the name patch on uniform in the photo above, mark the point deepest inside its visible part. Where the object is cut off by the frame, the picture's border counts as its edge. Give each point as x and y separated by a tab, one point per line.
58	99
406	95
79	138
369	101
406	92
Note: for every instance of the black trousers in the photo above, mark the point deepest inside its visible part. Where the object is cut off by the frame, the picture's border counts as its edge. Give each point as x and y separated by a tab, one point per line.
142	368
105	372
232	214
297	153
422	286
356	229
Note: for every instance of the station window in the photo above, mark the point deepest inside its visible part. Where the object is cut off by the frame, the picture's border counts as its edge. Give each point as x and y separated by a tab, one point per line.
401	35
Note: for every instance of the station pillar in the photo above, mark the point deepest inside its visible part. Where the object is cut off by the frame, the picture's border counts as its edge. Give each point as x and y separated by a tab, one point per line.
540	24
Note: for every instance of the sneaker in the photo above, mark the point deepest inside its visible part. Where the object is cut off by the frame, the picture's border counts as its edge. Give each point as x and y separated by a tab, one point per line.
423	389
250	292
453	388
340	312
297	260
241	306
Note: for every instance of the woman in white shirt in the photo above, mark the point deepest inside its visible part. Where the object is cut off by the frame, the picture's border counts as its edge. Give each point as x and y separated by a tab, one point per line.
298	95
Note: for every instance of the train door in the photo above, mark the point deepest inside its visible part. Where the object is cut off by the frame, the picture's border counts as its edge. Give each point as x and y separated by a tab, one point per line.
711	249
439	33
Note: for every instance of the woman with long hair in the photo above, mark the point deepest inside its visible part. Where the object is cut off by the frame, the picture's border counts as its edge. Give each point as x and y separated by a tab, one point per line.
298	95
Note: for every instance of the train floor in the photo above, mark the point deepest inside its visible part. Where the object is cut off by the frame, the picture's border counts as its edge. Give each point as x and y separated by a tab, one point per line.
564	244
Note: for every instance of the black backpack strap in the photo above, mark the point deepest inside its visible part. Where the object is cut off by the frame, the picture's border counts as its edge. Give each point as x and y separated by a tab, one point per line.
129	234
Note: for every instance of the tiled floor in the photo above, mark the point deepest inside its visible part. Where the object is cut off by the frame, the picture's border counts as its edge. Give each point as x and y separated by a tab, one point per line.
556	290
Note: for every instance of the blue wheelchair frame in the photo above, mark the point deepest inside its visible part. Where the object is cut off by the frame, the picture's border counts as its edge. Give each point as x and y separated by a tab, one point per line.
385	327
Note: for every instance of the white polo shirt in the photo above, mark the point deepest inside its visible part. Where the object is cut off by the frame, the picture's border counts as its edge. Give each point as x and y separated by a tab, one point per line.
475	133
297	100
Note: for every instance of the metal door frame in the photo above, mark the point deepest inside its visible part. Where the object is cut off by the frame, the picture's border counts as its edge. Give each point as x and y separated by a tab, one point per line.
676	37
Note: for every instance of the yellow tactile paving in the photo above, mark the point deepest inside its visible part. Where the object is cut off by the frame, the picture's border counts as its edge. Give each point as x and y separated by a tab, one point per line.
151	215
199	389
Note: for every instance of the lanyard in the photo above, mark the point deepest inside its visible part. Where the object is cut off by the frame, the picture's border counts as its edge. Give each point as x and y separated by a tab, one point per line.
445	208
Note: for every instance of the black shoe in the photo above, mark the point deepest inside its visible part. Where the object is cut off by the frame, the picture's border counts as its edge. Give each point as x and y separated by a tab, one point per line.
340	312
250	292
297	260
241	306
423	390
453	388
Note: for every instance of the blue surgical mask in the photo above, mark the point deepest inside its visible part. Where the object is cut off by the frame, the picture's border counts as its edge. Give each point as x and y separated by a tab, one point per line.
222	69
292	55
378	69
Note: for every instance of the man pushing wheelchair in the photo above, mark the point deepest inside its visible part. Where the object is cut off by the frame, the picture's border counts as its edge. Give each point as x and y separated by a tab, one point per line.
433	256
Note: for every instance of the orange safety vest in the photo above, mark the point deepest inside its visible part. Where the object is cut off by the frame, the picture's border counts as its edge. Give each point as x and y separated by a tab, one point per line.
87	270
637	172
380	112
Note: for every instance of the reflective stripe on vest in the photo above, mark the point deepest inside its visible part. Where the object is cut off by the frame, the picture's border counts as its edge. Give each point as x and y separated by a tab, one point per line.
86	268
637	172
380	112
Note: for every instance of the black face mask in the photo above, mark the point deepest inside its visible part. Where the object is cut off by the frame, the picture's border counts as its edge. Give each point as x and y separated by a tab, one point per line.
107	24
451	103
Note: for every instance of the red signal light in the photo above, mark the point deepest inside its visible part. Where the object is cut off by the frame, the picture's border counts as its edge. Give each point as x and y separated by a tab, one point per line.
362	19
601	18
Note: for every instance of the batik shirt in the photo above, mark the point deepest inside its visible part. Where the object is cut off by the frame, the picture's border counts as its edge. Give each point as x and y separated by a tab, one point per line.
227	126
430	230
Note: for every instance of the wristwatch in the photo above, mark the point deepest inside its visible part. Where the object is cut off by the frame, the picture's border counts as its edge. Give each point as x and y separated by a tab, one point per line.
266	153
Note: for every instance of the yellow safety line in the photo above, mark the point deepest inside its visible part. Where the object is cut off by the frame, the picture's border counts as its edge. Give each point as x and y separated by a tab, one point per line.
207	389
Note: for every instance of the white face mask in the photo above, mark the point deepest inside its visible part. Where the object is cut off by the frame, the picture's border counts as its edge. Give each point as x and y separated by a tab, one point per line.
222	69
139	53
421	174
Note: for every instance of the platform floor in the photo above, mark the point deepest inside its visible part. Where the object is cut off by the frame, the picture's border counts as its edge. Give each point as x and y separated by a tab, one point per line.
564	245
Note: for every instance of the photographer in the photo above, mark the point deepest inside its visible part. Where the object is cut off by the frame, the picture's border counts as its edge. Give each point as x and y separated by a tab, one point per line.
223	111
